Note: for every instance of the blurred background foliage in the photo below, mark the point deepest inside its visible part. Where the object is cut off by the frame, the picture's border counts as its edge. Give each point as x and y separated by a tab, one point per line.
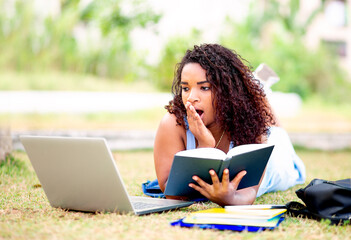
32	43
276	38
171	54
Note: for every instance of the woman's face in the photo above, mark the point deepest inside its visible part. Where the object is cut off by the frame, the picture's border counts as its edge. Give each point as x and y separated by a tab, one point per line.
197	90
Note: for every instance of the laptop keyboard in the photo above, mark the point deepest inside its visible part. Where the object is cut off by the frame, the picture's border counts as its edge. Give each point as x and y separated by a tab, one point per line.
144	205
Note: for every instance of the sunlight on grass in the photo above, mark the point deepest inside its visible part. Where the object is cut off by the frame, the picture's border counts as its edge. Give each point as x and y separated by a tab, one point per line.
310	119
60	81
147	119
316	116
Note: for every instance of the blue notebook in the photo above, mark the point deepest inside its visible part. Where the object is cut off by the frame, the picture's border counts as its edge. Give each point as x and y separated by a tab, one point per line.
238	228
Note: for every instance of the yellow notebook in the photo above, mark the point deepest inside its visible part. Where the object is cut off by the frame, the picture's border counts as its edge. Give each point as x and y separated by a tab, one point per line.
251	217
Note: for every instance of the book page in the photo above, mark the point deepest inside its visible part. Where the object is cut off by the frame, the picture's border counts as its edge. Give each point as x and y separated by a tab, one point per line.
238	213
254	207
210	153
246	148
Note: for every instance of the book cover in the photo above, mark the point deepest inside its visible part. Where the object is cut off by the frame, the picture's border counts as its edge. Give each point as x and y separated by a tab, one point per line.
252	157
238	228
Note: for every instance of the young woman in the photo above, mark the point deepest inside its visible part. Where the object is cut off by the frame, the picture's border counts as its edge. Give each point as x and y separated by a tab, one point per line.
218	104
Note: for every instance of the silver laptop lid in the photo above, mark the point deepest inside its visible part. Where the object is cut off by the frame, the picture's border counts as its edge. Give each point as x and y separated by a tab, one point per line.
77	173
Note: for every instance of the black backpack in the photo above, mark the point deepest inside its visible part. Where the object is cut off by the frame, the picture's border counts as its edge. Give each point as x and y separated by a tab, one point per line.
324	200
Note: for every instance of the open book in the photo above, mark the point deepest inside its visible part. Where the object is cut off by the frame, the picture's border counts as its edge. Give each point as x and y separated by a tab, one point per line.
251	157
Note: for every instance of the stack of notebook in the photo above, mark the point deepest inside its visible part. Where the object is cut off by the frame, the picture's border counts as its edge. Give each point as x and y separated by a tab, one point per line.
251	218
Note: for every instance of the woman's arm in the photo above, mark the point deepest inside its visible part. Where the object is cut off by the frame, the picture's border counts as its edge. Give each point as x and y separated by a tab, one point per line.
223	192
170	139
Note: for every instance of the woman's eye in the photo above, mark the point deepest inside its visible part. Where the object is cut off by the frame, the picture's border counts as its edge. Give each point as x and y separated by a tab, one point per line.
185	89
205	88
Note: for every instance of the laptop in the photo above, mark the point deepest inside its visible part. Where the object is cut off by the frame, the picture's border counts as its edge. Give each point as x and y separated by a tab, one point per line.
80	174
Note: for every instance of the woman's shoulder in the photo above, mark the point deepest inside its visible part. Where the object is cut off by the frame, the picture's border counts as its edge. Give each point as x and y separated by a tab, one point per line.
169	121
170	130
168	118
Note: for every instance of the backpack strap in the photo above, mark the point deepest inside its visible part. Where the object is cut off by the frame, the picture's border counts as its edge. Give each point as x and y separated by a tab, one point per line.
296	209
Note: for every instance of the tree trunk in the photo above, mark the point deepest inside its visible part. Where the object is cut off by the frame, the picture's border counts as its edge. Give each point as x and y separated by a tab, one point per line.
5	142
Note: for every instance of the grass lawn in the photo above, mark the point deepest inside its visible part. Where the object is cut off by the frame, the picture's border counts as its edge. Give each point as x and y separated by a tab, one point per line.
26	214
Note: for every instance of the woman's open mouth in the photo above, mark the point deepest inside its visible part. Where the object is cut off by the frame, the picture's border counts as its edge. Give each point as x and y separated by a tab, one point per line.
200	112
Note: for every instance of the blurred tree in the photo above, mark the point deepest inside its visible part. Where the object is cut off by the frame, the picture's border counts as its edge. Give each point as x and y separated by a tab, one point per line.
274	34
171	54
116	20
287	14
53	42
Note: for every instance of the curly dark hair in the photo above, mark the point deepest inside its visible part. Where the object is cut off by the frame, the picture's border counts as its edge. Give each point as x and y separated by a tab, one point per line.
240	102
